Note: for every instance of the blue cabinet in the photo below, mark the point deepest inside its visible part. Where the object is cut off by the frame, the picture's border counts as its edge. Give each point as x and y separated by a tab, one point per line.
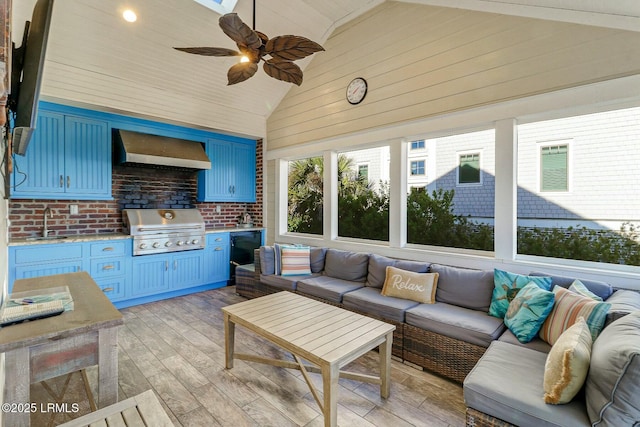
69	157
108	266
217	258
44	260
232	177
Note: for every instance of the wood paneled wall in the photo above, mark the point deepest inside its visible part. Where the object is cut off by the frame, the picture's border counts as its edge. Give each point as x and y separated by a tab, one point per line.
423	61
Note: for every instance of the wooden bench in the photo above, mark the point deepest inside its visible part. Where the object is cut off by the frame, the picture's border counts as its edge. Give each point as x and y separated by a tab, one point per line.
143	410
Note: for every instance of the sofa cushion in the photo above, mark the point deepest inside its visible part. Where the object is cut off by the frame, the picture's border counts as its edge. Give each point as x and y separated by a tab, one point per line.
377	270
328	288
623	302
602	289
507	383
267	260
369	300
535	344
287	283
472	326
506	286
613	382
316	258
527	311
566	311
464	287
346	265
419	287
567	364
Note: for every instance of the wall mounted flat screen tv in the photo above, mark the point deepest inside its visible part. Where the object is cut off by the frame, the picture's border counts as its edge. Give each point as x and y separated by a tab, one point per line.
26	75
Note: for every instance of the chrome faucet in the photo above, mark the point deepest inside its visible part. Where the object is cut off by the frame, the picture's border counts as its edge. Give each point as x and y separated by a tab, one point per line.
47	214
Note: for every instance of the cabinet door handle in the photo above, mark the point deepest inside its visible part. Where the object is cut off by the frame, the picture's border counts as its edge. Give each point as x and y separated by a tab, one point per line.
234	189
61	181
175	264
107	289
218	248
166	265
107	249
108	267
219	239
230	190
68	181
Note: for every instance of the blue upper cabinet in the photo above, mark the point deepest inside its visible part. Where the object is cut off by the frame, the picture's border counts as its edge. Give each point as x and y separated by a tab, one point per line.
69	157
232	177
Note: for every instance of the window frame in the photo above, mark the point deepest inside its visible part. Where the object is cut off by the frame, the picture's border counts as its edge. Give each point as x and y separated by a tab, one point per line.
459	154
421	145
540	145
424	167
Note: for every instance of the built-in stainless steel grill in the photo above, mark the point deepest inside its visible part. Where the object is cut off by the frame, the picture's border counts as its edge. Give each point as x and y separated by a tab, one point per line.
164	230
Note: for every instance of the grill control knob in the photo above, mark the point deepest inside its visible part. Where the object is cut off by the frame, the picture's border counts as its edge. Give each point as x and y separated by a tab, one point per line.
195	241
156	245
168	244
180	243
143	246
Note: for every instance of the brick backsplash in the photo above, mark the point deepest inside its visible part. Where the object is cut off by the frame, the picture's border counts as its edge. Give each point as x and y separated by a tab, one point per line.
133	187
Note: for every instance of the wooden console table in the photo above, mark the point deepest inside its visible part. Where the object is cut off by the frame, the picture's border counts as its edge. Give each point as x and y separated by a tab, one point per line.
47	348
326	336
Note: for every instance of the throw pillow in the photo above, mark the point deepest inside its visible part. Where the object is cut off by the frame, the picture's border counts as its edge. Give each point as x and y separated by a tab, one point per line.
295	260
566	311
506	286
527	311
567	364
577	287
277	255
419	287
613	382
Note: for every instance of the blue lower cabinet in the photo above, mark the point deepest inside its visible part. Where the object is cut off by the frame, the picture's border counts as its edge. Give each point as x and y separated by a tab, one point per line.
150	275
217	258
186	269
113	288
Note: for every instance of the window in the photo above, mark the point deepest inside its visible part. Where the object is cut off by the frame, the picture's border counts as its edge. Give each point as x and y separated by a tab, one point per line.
417	167
363	205
469	168
596	157
220	6
554	166
363	172
305	196
417	145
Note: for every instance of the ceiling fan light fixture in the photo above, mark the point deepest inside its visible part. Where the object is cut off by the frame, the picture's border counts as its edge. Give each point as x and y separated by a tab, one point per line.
254	46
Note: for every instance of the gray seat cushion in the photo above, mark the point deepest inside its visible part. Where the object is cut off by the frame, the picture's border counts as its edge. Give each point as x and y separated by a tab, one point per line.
328	288
369	300
602	289
267	260
316	259
464	287
461	323
507	383
346	265
287	283
613	384
377	269
535	344
623	302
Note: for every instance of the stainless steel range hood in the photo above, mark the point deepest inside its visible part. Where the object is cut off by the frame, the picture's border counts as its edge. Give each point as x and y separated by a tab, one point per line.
135	147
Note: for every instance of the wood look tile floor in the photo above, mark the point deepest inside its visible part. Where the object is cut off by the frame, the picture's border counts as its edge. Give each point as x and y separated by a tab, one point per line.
176	348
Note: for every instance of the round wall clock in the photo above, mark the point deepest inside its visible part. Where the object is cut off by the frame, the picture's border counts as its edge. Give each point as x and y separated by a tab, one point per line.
356	90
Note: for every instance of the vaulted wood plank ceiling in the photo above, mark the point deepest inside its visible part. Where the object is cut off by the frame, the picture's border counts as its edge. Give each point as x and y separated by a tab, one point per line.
97	59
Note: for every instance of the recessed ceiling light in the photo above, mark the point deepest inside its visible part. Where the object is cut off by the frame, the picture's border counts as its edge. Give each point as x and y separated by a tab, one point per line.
129	15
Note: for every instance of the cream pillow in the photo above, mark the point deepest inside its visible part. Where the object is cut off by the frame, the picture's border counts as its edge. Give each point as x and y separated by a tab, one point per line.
567	364
419	287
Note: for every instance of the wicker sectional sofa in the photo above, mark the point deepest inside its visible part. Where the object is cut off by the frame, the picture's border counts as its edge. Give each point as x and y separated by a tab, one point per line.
449	337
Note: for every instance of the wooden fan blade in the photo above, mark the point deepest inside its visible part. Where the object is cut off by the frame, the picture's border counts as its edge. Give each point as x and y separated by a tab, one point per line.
263	37
291	48
209	51
283	70
241	72
239	32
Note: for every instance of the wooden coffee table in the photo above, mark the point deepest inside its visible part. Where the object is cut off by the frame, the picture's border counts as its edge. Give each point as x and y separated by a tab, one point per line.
328	337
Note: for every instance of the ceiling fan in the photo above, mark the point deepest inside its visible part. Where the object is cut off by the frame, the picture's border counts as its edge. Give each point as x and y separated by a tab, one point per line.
254	46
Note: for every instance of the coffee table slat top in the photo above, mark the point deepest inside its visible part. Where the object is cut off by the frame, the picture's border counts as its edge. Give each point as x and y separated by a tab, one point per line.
320	333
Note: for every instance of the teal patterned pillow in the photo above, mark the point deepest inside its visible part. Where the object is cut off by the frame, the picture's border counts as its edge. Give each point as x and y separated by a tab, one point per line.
527	311
506	286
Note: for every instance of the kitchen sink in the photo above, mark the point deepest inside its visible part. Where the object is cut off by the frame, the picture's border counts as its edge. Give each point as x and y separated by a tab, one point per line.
47	238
